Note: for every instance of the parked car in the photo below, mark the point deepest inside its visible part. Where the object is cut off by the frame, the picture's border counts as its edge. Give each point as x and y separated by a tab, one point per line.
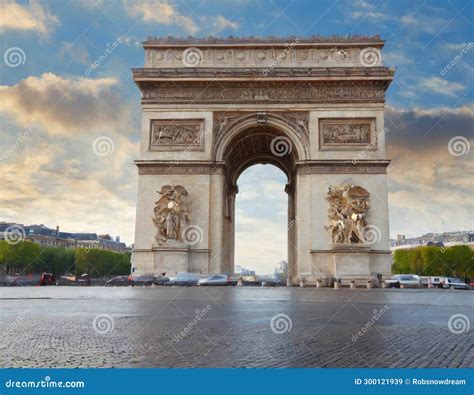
183	279
403	281
47	279
217	279
424	280
455	283
66	279
119	281
270	281
144	279
251	280
83	280
436	281
161	279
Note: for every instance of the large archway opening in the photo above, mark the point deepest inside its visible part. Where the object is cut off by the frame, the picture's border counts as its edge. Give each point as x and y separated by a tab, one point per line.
259	145
261	218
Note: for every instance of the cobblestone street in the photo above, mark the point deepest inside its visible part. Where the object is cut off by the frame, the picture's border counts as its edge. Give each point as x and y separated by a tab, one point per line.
235	327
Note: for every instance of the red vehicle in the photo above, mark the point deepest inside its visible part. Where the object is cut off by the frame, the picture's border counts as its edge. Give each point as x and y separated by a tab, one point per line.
47	279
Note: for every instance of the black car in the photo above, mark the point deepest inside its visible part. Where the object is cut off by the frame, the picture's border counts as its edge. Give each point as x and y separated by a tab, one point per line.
119	281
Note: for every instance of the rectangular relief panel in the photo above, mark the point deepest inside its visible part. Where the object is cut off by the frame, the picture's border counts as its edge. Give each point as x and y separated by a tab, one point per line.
347	134
177	135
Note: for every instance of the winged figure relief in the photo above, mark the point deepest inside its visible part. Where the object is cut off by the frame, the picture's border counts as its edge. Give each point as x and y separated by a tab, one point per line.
172	213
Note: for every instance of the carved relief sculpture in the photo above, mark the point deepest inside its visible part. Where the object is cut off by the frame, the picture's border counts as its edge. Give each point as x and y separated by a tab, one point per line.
348	206
346	133
172	213
176	134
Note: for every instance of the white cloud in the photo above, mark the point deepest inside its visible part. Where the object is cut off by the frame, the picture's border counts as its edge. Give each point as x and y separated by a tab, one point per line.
160	12
219	23
442	86
63	104
31	17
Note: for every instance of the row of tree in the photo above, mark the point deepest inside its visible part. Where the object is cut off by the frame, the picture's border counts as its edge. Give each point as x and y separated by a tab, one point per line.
27	257
455	261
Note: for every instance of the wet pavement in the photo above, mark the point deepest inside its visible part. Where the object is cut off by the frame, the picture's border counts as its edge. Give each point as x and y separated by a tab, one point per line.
235	327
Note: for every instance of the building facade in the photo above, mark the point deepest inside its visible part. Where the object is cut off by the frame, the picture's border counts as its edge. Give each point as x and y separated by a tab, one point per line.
50	237
313	107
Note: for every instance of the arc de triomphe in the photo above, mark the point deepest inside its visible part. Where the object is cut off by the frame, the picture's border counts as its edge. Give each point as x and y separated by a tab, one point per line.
314	107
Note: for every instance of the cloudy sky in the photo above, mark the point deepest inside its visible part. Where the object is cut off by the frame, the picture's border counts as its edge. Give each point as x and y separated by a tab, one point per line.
53	108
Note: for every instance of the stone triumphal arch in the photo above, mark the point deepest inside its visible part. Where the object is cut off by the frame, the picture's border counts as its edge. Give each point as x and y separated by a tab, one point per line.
311	106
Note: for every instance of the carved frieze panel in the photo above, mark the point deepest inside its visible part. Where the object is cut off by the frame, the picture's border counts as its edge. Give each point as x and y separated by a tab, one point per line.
288	56
347	133
177	135
264	92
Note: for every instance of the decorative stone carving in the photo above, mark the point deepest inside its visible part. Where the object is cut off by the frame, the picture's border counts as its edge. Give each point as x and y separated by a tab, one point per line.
296	120
265	92
229	52
177	134
337	134
172	213
348	206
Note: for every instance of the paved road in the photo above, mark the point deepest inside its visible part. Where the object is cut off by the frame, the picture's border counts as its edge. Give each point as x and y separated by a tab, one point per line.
233	327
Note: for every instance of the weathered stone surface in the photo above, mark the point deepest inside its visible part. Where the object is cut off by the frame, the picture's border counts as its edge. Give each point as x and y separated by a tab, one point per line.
313	107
